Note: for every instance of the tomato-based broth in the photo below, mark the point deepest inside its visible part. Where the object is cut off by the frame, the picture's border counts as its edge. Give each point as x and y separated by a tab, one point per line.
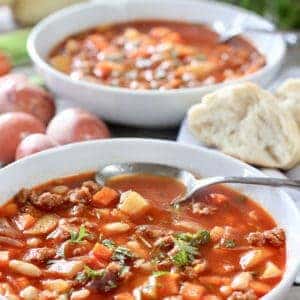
74	239
155	54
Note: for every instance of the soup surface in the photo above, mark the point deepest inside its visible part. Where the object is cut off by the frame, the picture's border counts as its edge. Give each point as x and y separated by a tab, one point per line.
73	239
155	54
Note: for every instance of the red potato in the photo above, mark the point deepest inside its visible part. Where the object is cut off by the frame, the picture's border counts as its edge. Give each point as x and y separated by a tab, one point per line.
5	64
75	125
17	94
13	128
34	143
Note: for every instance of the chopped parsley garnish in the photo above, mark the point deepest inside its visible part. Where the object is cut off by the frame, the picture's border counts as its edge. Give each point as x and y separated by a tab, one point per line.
121	254
109	244
188	244
78	237
229	243
182	258
199	238
160	273
92	274
124	270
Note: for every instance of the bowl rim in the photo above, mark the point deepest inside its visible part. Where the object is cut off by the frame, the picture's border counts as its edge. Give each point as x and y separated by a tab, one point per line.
53	153
64	13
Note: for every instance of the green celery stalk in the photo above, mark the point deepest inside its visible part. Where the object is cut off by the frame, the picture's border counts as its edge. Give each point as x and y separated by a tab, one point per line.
13	44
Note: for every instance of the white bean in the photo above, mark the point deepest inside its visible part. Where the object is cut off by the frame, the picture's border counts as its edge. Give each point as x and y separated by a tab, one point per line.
116	227
30	293
25	268
33	242
81	294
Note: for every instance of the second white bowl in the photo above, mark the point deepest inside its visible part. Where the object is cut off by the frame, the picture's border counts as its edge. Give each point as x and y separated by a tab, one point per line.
143	108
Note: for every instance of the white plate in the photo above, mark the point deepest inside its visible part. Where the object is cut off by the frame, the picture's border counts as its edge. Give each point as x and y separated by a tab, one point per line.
143	108
89	156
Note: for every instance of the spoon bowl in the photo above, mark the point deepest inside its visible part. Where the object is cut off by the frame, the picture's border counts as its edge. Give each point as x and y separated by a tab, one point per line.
193	186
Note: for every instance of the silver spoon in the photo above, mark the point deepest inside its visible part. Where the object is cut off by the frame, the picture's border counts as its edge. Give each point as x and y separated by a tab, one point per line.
193	185
292	38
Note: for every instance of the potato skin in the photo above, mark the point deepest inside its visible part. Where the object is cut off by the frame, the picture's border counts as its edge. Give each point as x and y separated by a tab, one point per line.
17	94
5	64
75	125
13	128
34	143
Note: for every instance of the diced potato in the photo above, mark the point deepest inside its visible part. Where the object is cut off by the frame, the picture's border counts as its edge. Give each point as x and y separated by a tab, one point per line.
44	225
30	293
4	258
116	228
190	291
133	204
271	271
57	285
137	249
254	257
24	268
241	281
67	269
260	288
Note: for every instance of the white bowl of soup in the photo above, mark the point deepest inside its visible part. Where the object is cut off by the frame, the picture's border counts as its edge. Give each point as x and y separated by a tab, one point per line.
63	235
144	63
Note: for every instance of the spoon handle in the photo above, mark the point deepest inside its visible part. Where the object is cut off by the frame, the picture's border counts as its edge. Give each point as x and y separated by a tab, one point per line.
201	184
261	181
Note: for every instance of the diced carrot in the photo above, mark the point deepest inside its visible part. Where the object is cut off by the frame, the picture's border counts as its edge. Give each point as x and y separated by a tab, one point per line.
124	296
25	221
61	63
101	252
211	297
214	280
260	288
104	68
159	32
190	291
5	64
9	210
105	197
97	41
4	258
21	282
168	284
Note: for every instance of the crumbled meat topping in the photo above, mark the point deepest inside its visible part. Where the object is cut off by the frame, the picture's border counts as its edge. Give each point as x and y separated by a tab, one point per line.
274	237
48	201
39	255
